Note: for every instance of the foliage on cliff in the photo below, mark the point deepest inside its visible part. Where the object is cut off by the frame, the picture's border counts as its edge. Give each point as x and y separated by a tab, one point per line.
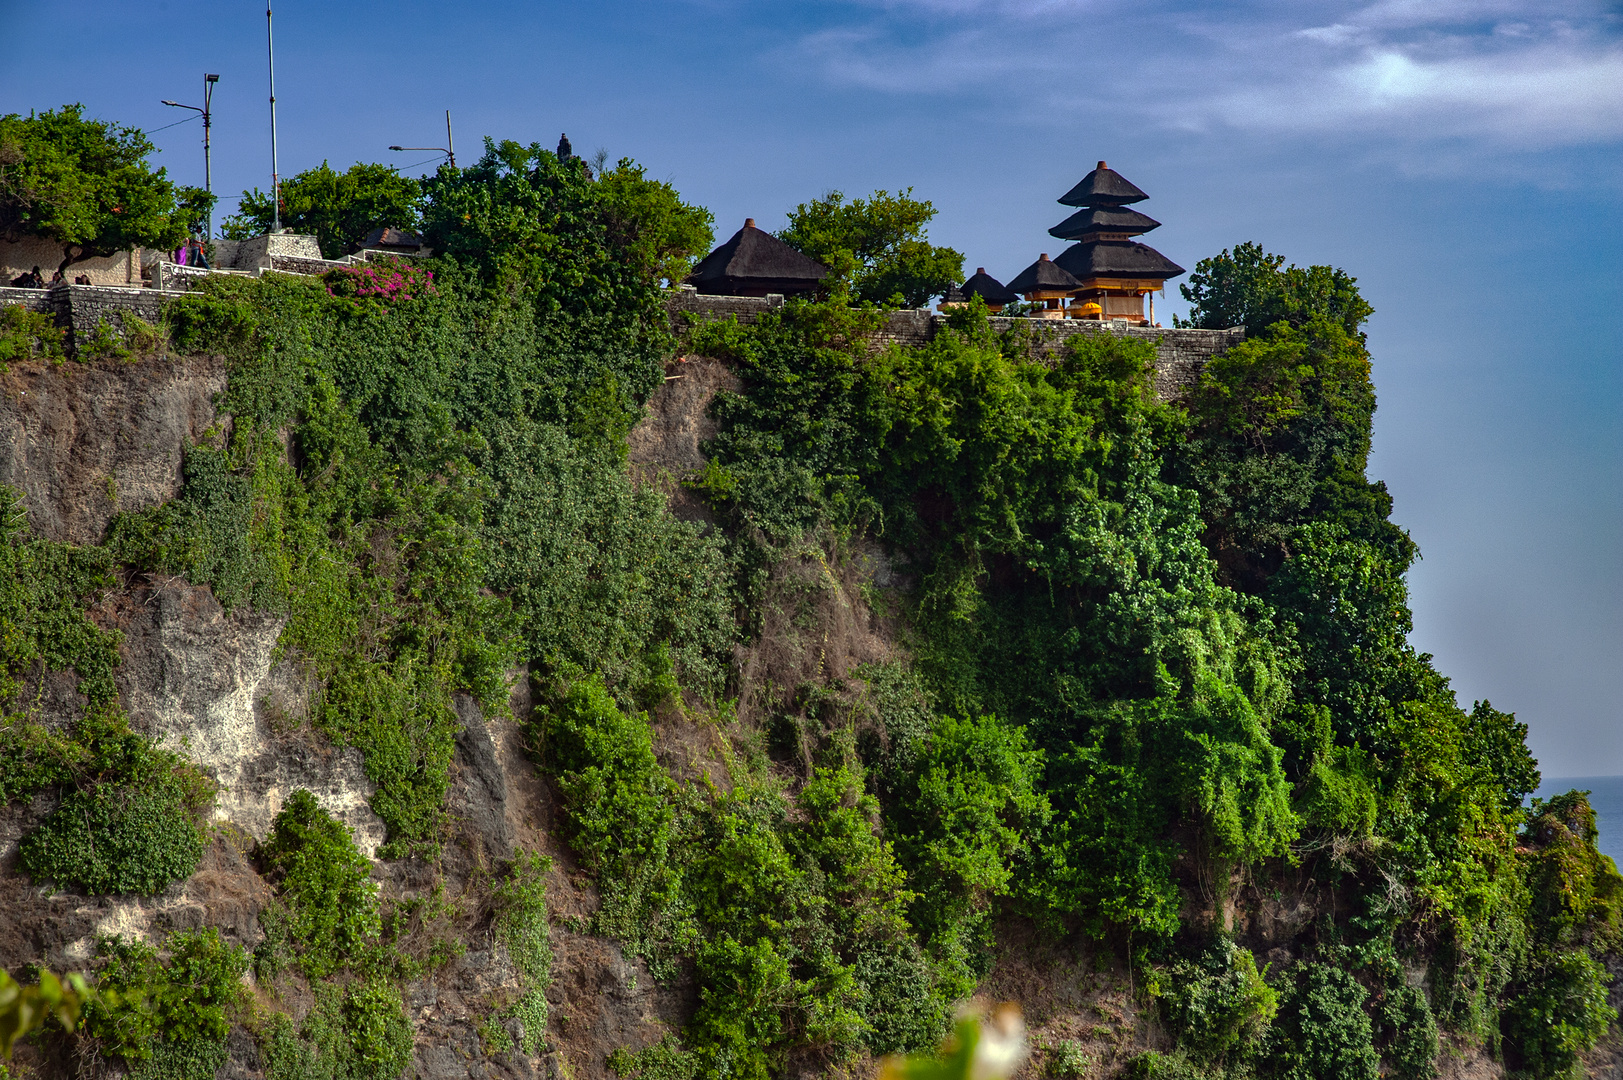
1197	612
1153	664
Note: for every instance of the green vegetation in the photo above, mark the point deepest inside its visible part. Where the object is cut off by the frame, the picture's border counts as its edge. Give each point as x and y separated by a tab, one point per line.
1254	289
1323	1031
1152	662
357	1031
1219	1005
128	814
521	927
27	1009
86	185
167	1016
879	244
665	1060
326	915
327	925
337	208
29	335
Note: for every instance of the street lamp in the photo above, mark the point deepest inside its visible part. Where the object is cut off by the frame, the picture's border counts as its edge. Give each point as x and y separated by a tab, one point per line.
449	149
208	161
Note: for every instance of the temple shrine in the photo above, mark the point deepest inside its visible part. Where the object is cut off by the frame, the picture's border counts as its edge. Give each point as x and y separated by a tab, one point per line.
1105	275
756	263
993	293
1114	272
1047	283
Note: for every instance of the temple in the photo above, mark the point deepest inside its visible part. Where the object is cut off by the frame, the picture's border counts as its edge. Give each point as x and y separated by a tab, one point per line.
993	293
1113	272
756	263
1046	282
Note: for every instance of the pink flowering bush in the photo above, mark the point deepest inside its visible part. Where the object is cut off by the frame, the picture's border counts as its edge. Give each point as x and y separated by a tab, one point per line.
388	282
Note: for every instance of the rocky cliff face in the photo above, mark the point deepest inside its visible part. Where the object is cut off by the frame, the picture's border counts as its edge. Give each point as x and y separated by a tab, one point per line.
83	443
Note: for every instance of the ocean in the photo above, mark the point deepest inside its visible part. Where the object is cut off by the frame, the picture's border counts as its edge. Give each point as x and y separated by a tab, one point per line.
1606	796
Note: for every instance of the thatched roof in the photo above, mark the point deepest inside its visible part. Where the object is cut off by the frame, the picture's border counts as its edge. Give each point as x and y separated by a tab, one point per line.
1111	219
389	238
1044	276
1103	186
989	288
754	258
1117	258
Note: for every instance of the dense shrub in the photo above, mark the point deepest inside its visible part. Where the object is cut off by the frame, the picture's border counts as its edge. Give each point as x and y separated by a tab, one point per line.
167	1016
119	838
1559	1010
354	1032
326	914
1407	1031
1323	1031
28	335
621	816
1218	1004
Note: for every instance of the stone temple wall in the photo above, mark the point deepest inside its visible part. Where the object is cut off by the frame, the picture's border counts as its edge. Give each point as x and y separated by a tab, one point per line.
1180	353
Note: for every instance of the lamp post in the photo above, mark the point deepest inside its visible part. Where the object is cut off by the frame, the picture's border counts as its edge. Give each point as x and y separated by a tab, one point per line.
449	149
276	178
208	158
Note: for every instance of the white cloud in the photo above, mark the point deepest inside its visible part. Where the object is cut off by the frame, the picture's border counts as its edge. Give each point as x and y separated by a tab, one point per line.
1541	97
1505	73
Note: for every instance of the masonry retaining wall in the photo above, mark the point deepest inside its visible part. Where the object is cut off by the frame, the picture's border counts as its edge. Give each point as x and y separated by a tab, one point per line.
1180	354
79	309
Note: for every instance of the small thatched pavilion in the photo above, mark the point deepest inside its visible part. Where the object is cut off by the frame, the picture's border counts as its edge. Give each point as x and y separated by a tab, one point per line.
756	263
1047	282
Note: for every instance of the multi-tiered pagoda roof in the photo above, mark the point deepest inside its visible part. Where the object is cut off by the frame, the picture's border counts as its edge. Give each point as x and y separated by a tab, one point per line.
1104	227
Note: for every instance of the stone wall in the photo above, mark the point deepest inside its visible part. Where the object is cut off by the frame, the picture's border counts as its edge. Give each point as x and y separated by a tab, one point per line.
257	251
687	301
79	309
1180	353
22	255
32	299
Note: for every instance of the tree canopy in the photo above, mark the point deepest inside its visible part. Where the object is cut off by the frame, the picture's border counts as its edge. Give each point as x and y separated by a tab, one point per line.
880	242
520	209
338	208
87	185
1254	289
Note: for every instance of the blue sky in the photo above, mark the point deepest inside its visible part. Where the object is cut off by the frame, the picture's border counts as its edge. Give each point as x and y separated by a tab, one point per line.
1461	158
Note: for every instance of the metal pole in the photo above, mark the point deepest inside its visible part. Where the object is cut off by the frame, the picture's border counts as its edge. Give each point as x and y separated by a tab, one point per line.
450	146
208	156
276	179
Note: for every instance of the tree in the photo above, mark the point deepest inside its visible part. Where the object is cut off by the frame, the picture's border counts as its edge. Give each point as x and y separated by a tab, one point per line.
86	185
880	242
1254	289
1282	421
339	209
523	211
648	220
